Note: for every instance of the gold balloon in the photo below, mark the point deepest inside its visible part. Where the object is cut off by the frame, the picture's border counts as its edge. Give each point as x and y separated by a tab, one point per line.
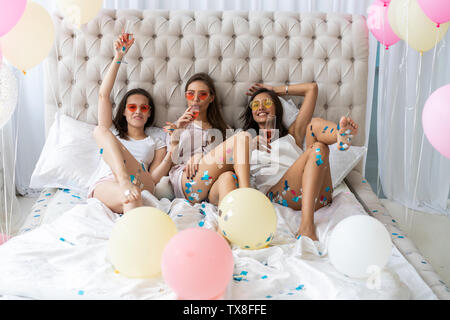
410	23
31	39
79	12
137	241
247	218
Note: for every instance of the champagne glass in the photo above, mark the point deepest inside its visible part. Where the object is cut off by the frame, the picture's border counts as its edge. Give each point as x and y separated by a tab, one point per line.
269	128
127	34
195	111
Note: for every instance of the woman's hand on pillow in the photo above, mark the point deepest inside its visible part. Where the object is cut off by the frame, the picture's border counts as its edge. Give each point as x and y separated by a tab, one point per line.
123	44
257	86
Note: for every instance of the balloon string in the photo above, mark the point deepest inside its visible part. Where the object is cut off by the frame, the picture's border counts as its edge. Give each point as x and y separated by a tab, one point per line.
13	187
405	182
4	186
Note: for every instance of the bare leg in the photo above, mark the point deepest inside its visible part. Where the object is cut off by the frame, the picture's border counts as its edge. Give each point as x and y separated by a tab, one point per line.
226	183
329	132
227	156
130	175
306	186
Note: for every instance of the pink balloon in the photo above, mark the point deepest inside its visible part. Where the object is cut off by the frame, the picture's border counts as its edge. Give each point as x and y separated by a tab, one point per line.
386	2
436	120
197	263
437	10
10	13
378	24
3	238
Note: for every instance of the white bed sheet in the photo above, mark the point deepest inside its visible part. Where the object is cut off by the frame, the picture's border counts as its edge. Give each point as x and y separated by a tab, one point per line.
66	257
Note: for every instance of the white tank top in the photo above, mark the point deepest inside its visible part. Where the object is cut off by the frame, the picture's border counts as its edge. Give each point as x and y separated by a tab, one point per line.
267	169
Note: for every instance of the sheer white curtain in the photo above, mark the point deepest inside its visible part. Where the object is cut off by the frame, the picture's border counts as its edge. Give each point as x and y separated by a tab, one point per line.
31	102
411	171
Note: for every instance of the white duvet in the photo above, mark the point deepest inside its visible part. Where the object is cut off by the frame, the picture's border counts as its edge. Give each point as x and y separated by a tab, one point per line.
67	259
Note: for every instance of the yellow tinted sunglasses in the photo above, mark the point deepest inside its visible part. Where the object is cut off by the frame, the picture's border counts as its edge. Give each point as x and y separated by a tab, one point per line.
267	103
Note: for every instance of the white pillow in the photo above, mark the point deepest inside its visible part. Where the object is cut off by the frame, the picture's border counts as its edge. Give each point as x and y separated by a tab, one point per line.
69	158
342	162
290	111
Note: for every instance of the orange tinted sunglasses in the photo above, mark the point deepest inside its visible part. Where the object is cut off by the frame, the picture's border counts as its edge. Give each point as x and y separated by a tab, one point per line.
133	108
190	95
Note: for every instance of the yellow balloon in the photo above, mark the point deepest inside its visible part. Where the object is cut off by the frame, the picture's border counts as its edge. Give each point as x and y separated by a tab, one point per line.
31	40
79	12
247	218
410	23
137	241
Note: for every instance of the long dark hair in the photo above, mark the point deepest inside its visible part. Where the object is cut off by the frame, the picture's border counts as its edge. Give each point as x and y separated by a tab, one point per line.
120	121
213	114
250	123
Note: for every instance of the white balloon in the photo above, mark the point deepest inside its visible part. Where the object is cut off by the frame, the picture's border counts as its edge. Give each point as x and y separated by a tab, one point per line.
8	94
358	244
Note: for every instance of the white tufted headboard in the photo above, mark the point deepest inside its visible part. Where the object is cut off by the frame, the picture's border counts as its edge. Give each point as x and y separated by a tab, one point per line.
235	48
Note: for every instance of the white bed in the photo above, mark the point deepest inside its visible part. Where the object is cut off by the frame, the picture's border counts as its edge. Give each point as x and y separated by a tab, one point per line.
60	252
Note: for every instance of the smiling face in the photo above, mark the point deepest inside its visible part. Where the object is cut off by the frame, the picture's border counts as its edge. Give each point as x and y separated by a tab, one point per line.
137	110
199	95
262	106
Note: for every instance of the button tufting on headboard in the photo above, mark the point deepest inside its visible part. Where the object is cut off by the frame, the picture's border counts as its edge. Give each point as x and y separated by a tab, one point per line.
236	48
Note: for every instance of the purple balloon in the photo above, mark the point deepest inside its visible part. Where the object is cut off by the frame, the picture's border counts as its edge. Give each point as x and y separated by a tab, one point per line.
10	14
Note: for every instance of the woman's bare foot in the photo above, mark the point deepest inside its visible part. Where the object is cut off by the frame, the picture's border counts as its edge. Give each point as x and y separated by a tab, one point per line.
307	230
347	129
130	191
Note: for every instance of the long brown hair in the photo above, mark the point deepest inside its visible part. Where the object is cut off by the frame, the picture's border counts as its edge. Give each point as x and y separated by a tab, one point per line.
213	113
250	123
120	121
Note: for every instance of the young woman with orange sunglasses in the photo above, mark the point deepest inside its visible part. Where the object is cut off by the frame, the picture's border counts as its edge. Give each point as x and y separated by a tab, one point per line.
132	161
206	166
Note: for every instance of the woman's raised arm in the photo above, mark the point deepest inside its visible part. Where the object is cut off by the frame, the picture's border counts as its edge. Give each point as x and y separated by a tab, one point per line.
121	45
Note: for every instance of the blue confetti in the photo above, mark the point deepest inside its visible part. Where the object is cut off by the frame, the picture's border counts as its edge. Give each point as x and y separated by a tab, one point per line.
319	162
224	233
143	166
201	223
191	198
268	239
268	297
325	129
76	196
132	178
264	277
199	190
244	273
38	215
299	236
295	199
48	194
327	189
101	151
300	287
331	130
81	292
